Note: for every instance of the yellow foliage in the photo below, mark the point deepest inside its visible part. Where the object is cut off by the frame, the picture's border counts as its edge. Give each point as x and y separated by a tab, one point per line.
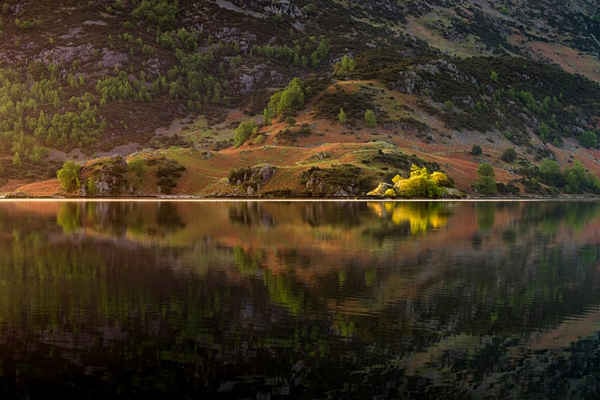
390	193
417	172
421	183
441	179
420	218
379	191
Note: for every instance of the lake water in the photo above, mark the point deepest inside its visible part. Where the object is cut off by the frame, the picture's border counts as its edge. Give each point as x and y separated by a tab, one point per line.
300	300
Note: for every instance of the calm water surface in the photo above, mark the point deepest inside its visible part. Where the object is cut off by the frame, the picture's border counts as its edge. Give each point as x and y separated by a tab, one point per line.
300	300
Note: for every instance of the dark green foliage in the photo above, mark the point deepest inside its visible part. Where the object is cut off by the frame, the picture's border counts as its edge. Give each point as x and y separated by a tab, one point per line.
575	179
476	150
159	13
302	53
588	139
35	109
550	173
580	180
509	156
168	173
486	180
180	39
68	176
509	189
121	87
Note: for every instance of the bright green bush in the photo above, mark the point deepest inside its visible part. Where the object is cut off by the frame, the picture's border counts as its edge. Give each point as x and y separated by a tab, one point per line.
287	101
243	132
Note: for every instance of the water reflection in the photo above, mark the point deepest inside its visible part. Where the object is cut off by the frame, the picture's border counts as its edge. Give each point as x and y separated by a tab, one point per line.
347	300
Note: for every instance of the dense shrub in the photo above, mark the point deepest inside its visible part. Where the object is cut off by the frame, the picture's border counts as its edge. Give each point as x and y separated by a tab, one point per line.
420	184
285	102
161	13
588	139
486	180
345	66
167	174
509	156
243	132
68	176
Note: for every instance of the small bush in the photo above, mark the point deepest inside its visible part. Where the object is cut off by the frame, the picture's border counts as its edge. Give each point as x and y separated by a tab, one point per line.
370	119
342	117
509	155
476	150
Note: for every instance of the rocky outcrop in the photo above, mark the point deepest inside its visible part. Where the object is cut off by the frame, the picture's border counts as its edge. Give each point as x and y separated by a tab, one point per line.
337	181
105	178
251	180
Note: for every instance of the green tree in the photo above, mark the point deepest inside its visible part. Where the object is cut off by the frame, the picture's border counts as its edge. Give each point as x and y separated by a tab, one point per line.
286	101
486	180
476	150
320	54
68	176
550	173
342	117
243	132
370	119
588	139
345	66
509	155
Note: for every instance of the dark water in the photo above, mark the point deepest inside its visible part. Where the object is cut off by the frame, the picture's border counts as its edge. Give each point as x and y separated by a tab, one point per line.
300	300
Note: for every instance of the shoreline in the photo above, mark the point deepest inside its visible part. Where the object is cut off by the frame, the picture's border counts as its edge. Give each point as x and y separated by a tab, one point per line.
191	199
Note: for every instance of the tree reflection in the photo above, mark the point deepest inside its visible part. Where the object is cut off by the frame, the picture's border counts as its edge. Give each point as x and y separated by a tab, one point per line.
409	218
396	298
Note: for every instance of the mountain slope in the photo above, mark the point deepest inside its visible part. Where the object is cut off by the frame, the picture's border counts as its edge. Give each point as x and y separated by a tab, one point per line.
164	84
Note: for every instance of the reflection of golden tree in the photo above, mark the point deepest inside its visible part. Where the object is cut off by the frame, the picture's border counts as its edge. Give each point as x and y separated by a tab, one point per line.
421	217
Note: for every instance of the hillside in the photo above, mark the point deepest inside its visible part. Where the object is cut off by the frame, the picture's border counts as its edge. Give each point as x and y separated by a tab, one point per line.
297	98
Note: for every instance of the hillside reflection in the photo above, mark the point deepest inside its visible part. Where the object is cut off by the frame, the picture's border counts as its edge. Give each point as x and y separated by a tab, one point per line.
190	298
